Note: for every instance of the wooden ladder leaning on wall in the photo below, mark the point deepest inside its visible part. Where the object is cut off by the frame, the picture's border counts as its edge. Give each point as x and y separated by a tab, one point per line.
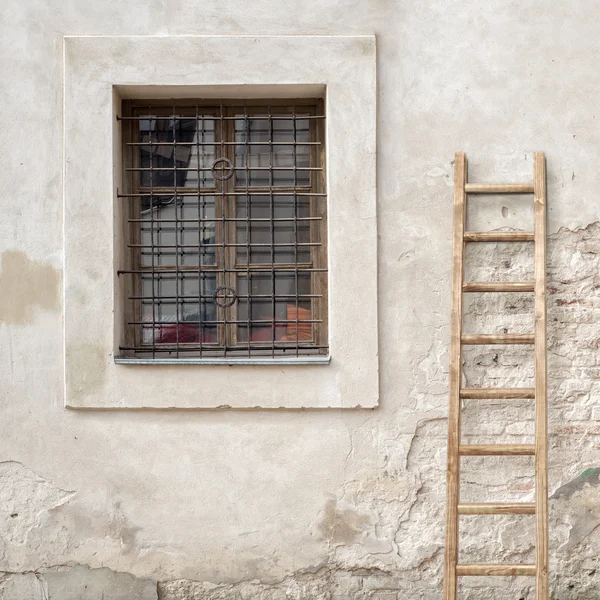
456	449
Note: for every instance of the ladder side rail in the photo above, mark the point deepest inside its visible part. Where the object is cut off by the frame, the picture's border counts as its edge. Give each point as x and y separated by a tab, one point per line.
541	409
454	436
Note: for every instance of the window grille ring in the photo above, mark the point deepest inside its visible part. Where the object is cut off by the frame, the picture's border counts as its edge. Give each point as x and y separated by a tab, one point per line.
228	299
219	173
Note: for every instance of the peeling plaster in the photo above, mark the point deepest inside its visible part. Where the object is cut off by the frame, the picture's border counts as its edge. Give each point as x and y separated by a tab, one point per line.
76	582
383	529
326	583
590	477
229	506
24	499
341	525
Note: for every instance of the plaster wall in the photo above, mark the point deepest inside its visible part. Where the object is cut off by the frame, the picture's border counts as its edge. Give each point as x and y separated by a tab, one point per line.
324	504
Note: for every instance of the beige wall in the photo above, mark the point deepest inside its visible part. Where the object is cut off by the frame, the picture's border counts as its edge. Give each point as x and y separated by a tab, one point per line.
320	504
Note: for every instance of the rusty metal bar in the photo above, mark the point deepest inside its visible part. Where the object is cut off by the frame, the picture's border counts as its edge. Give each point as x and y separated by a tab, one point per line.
185	347
217	118
253	192
186	169
249	143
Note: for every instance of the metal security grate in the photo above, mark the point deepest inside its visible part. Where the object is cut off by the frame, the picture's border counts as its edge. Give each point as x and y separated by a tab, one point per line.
225	236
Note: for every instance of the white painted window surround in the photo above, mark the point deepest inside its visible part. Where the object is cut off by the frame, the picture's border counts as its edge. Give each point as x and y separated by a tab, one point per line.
99	73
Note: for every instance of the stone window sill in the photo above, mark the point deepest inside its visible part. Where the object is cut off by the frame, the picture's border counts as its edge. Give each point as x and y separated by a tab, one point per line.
307	360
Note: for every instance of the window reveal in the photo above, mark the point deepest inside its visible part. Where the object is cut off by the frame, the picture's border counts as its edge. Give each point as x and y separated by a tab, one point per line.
226	236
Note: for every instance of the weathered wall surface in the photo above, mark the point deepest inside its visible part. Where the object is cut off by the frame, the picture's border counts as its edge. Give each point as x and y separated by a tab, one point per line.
318	504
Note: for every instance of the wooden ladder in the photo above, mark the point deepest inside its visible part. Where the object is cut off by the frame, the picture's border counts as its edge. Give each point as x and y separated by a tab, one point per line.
456	448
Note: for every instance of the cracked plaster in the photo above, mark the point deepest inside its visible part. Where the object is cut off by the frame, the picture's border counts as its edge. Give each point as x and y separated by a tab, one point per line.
366	530
250	505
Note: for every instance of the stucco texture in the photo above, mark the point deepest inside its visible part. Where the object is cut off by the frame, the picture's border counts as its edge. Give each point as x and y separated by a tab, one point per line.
321	504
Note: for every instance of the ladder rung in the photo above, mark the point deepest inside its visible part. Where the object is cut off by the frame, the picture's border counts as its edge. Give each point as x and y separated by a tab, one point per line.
488	508
499	236
499	188
499	286
496	449
496	393
498	338
496	570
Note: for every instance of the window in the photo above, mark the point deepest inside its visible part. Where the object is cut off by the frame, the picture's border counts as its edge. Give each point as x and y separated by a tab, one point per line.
226	230
106	78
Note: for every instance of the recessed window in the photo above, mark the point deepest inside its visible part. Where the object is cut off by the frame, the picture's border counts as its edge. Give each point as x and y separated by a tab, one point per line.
225	229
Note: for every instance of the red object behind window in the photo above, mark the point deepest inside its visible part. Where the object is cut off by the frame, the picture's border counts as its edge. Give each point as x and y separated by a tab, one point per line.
183	334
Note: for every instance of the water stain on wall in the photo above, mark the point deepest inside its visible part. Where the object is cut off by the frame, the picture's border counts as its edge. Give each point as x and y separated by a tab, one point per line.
341	526
26	286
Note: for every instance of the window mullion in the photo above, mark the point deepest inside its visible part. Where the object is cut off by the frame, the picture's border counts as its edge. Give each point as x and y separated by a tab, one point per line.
248	232
221	198
272	224
230	230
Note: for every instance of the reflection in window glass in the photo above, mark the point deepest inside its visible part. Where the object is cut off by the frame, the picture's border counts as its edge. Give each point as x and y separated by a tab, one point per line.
193	150
179	308
279	308
262	143
273	229
178	231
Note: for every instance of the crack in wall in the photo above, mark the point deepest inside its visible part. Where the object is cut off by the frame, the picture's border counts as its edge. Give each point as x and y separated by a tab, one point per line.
383	530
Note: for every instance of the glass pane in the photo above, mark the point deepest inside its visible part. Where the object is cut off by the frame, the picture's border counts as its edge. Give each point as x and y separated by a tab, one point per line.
179	308
178	233
267	225
275	312
265	149
188	152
